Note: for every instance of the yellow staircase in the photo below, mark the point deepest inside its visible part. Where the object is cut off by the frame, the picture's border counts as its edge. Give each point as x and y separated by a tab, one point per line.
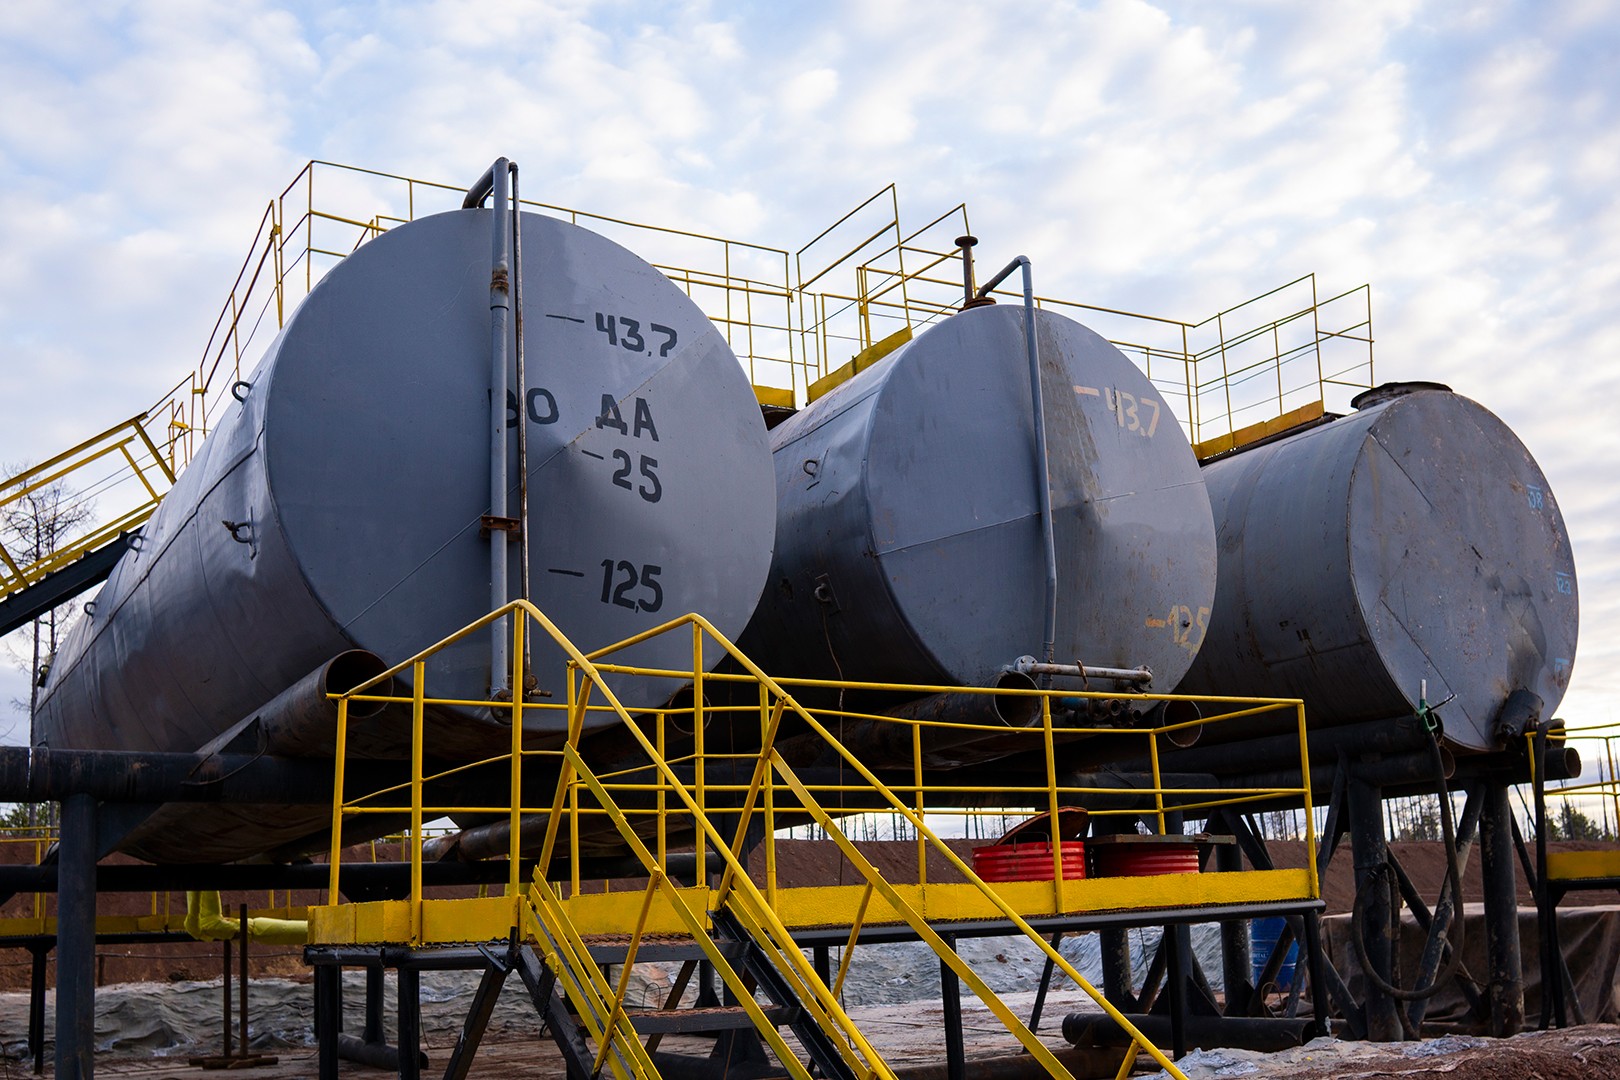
669	791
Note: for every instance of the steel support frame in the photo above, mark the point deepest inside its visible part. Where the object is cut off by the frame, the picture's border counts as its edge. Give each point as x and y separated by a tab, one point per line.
1504	989
76	940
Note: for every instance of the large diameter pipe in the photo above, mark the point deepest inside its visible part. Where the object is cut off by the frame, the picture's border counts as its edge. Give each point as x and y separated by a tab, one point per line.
360	880
38	774
301	721
377	1055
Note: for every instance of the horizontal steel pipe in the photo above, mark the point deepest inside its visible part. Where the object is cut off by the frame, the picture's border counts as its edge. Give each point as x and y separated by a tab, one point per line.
1266	1034
1282	751
1028	665
356	877
301	721
39	774
377	1055
1563	763
1395	771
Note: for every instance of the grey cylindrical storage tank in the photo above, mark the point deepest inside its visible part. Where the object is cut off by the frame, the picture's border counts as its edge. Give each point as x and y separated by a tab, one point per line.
1414	540
909	540
339	504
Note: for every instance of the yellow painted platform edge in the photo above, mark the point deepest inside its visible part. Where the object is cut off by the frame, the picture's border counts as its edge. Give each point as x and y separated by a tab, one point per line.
488	918
777	396
861	361
1264	429
1575	865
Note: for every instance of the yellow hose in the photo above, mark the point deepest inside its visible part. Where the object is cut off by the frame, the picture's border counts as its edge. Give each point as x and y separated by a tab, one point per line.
205	922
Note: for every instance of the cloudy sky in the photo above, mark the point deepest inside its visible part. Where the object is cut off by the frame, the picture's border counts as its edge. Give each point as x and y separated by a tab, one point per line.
1167	157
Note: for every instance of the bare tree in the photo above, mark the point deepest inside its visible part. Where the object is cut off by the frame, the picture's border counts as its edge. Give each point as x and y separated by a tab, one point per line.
33	527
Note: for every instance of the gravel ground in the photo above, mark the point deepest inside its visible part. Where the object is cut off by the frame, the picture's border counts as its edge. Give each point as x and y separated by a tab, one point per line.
148	1031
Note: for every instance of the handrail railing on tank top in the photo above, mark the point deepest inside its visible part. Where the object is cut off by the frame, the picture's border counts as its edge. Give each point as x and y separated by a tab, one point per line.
56	512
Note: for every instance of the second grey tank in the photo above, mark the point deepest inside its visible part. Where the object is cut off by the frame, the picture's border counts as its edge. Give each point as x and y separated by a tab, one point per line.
909	540
1413	541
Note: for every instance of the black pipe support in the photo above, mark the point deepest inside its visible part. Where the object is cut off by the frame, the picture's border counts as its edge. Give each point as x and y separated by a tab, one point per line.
1202	1032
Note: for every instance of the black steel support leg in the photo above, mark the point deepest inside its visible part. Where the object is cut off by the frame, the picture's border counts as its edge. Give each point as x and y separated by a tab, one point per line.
950	992
1176	984
375	1006
36	1005
472	1030
1046	983
1237	955
542	986
1504	989
410	1024
1114	946
76	940
1316	966
328	1018
1370	852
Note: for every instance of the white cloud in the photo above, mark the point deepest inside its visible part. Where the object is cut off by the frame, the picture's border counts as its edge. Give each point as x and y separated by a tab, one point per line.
1167	157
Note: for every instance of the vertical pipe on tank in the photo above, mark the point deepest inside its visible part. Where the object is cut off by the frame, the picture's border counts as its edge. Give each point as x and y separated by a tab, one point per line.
499	308
966	244
1048	535
523	406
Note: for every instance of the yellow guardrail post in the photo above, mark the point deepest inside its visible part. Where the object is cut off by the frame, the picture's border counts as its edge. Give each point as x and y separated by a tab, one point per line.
918	798
662	795
519	693
697	746
1158	785
1310	814
418	677
340	757
1048	745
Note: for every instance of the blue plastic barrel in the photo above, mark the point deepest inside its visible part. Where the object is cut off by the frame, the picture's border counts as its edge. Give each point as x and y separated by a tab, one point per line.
1263	935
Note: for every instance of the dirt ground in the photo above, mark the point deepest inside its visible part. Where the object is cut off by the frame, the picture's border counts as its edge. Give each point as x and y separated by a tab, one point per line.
909	1040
